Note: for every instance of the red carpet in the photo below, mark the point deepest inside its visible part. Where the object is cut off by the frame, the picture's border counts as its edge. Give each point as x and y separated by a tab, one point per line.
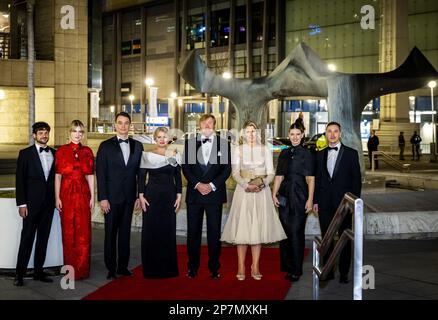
272	286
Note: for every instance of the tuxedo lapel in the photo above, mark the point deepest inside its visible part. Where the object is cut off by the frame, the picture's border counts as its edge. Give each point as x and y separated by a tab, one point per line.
119	150
325	156
131	150
37	160
52	168
338	160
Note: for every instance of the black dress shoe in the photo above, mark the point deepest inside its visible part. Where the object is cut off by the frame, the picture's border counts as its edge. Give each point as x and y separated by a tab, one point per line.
215	275
111	275
343	279
18	282
292	277
124	272
192	274
42	277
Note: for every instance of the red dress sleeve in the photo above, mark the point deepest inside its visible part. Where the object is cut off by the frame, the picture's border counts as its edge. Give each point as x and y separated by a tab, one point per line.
88	162
60	160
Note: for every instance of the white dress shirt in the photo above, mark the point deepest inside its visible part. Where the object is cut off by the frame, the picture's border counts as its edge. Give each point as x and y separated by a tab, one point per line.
206	152
331	159
126	150
46	159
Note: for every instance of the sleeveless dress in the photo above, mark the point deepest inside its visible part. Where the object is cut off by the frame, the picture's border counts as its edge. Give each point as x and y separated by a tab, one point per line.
253	218
158	235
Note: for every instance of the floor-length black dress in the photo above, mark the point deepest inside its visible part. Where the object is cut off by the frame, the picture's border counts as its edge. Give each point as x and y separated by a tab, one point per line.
158	239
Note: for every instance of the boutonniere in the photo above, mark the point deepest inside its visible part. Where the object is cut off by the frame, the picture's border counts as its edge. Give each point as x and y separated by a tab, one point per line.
219	154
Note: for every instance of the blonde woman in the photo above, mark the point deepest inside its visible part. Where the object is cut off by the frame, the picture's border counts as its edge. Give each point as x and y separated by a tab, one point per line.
74	193
160	199
252	220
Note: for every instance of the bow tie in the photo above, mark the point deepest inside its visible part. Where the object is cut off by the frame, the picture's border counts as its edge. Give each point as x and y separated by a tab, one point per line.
206	140
332	148
121	140
46	149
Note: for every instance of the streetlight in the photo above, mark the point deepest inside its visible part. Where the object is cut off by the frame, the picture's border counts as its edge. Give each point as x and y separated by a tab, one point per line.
131	98
173	95
148	82
331	67
226	75
431	85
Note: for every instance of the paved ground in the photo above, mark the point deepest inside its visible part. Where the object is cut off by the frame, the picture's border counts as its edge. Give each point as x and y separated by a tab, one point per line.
404	269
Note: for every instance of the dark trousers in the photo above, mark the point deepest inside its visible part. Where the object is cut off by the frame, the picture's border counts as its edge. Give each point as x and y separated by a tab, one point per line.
402	151
118	231
39	222
416	150
325	217
370	156
293	221
195	217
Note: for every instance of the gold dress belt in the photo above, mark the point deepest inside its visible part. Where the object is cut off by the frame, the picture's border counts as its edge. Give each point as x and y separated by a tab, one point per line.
252	174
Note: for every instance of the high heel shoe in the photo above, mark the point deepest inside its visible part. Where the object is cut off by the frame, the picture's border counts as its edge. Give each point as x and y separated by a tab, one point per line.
240	277
255	276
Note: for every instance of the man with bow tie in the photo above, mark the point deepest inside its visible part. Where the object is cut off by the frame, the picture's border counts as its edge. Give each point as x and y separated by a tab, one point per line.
35	196
207	165
117	171
337	172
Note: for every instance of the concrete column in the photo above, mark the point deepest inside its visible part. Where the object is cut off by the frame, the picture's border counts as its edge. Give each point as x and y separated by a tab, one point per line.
231	37
394	37
71	69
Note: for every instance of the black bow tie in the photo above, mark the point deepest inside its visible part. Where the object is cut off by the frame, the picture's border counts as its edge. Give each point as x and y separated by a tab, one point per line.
46	149
333	148
121	140
206	140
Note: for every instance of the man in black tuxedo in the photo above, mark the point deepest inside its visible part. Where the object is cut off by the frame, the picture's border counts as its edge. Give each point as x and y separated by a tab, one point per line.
117	169
337	172
207	165
35	195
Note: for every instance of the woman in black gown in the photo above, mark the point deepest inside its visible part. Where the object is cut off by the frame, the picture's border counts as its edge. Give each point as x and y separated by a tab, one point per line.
160	199
294	185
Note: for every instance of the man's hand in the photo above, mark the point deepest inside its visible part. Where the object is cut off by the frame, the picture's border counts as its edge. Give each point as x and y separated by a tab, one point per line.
22	211
137	204
105	206
204	188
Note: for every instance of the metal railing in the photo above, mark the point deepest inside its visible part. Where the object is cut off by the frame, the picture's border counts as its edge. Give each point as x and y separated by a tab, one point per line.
350	204
393	162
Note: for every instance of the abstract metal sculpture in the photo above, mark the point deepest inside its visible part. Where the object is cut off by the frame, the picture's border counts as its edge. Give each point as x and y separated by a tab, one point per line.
303	73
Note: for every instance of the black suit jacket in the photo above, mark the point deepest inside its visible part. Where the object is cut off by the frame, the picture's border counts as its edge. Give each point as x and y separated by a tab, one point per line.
117	182
31	186
346	177
217	170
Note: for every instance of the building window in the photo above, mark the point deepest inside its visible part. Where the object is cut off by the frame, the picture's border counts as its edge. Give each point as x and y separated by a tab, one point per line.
257	22
196	32
220	28
240	31
271	22
4	33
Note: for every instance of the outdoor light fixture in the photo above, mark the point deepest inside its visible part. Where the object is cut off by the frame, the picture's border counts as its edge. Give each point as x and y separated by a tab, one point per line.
226	75
331	67
149	82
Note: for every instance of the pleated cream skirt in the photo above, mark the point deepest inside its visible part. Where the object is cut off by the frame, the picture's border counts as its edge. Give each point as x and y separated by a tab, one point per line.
252	219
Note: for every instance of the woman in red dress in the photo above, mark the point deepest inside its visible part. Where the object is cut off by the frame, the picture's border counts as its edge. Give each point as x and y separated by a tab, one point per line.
73	181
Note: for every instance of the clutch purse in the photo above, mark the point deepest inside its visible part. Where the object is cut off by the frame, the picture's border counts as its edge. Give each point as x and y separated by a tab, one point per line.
257	182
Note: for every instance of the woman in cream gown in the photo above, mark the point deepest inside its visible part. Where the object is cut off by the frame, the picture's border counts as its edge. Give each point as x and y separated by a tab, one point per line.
253	219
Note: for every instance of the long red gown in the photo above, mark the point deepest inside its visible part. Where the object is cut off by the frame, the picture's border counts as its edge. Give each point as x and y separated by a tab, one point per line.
74	162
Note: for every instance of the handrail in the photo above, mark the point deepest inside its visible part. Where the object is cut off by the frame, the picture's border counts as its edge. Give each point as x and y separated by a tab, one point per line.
349	204
396	164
